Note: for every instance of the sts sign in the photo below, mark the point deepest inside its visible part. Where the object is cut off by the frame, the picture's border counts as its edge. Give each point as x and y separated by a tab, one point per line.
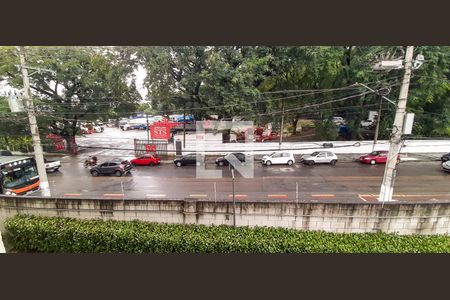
160	132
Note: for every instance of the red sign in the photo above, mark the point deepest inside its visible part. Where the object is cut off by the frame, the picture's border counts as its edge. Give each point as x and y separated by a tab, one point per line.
160	131
150	148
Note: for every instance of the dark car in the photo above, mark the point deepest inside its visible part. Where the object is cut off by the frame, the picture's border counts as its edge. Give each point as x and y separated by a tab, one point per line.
224	160
188	159
5	153
116	167
445	157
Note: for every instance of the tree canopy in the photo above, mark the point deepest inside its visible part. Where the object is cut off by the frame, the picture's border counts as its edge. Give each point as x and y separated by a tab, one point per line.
88	83
254	82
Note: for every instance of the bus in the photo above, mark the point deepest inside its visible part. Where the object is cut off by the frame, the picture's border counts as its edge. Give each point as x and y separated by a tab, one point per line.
18	175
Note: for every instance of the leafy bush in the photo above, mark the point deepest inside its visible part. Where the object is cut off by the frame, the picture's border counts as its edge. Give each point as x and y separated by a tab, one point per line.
56	234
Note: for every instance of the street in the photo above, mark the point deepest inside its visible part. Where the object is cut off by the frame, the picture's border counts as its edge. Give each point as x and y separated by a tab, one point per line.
347	181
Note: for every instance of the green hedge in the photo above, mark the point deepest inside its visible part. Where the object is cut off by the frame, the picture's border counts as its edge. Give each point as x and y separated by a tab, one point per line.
55	234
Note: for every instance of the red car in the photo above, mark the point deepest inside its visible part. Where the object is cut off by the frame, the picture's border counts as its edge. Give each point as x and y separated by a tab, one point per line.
376	157
265	135
146	160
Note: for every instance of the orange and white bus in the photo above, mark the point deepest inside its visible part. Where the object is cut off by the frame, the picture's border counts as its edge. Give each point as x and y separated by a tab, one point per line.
18	175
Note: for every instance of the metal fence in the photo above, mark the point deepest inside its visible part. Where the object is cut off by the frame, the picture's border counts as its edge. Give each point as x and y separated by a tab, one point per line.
158	147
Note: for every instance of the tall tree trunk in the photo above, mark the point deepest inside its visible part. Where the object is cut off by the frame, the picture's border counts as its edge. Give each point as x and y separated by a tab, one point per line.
294	126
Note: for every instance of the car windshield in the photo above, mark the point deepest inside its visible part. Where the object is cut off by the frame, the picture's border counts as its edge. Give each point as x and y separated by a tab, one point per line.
374	153
272	154
18	176
314	153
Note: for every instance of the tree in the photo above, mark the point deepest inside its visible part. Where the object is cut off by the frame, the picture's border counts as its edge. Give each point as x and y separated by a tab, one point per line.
89	83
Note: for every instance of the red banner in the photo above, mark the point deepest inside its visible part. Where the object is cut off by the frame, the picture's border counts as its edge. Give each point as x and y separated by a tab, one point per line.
150	148
160	131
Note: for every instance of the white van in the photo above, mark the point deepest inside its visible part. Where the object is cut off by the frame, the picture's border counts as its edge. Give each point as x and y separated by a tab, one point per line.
282	157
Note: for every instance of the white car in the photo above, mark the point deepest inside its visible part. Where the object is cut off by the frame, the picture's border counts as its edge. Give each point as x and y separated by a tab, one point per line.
446	166
283	158
367	123
98	128
320	157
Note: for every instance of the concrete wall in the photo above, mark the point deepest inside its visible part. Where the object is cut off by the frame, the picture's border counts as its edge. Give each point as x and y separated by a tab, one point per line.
402	218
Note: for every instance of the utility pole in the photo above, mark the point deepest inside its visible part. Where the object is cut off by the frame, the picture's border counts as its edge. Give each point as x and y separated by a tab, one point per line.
28	102
377	128
395	142
148	129
234	200
184	124
282	125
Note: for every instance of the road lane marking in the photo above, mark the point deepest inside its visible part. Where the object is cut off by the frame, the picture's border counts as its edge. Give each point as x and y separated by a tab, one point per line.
238	196
155	195
113	195
198	195
277	196
71	194
323	195
361	197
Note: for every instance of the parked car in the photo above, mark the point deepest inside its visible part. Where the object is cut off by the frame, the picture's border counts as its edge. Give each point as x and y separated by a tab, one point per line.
278	158
98	128
320	157
446	166
225	160
52	165
116	167
188	159
445	157
5	153
368	123
146	160
376	157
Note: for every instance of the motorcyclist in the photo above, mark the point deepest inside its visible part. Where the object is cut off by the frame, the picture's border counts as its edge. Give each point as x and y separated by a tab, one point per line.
91	161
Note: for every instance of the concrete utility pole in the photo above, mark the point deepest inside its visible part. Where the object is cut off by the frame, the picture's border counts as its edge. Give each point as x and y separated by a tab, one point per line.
28	102
234	197
387	186
282	125
184	124
377	128
148	129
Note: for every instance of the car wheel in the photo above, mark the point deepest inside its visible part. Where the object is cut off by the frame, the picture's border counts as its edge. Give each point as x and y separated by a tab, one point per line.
268	163
290	162
221	163
333	162
373	162
118	173
95	173
310	162
178	164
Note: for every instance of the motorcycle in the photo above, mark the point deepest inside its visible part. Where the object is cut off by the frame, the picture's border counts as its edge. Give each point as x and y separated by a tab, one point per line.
90	162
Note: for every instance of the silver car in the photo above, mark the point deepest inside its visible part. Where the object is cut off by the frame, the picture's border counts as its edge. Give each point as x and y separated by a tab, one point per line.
320	157
446	166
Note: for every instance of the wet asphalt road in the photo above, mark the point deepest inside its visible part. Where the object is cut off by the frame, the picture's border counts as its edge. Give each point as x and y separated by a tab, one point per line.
347	181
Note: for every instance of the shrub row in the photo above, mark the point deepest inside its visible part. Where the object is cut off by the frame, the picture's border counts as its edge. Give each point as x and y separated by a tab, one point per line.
66	235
